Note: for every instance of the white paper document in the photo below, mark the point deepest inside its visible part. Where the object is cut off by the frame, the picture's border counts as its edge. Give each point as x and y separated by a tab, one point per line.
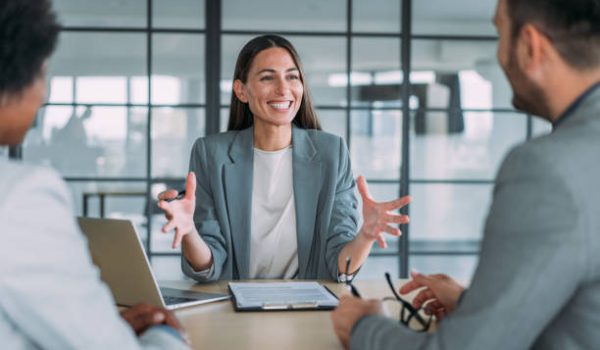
251	296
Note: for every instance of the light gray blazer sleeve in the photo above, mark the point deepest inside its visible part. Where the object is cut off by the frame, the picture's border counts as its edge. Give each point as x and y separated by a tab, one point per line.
344	215
205	218
50	292
532	261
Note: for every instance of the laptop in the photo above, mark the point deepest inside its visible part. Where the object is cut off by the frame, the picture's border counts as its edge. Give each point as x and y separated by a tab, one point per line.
117	251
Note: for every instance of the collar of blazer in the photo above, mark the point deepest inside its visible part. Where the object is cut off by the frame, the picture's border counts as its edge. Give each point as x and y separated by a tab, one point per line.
586	106
242	146
307	181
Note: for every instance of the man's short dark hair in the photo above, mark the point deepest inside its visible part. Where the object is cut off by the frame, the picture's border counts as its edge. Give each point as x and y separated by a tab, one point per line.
28	35
572	25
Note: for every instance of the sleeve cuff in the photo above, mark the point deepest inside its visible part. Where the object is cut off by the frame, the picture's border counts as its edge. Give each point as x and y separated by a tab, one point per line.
163	337
168	329
343	277
189	270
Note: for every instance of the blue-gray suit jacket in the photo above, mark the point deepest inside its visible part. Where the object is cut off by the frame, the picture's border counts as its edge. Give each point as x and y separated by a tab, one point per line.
326	204
538	280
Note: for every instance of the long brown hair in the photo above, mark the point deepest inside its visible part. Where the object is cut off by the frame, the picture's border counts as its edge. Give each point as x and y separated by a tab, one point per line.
240	116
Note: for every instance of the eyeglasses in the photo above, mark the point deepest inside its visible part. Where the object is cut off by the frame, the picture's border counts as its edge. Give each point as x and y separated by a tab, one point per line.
409	315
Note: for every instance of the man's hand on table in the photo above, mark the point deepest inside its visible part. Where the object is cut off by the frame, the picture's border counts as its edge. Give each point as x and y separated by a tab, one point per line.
348	312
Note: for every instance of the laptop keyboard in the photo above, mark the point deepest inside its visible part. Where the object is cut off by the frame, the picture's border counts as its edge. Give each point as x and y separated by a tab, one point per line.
169	300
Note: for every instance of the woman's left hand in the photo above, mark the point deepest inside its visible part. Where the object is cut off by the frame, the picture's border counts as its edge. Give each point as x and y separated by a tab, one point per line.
377	216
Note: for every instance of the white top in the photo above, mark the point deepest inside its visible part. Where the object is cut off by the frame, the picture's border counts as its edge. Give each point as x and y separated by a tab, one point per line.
273	242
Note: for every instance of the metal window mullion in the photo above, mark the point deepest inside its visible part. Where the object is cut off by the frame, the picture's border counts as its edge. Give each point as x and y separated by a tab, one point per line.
456	37
348	72
213	66
149	200
405	51
15	152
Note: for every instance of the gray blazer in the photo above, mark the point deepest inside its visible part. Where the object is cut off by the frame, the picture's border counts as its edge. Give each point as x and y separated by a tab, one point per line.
326	205
538	280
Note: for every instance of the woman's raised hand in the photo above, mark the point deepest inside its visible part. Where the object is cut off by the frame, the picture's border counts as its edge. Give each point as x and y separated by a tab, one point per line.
378	216
179	212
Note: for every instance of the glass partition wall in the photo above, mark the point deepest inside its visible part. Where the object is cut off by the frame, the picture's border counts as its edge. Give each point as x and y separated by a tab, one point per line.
413	87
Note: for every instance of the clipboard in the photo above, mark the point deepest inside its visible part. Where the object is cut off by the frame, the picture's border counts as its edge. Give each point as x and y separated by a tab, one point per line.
281	296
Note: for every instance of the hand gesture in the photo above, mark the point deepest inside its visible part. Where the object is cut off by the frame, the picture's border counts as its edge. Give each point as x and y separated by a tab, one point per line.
377	217
440	295
180	213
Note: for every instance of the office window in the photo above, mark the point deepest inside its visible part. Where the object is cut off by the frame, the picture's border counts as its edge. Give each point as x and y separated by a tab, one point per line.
463	145
284	15
90	140
376	143
462	267
376	16
167	268
184	14
458	17
333	121
376	75
174	131
130	91
224	114
178	69
467	70
448	213
541	127
91	13
376	266
95	67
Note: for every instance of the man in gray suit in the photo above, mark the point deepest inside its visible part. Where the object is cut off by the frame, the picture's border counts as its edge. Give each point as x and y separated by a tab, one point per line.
538	280
51	296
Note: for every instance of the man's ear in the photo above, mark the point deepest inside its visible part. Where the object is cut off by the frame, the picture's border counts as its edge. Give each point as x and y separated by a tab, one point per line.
533	49
240	91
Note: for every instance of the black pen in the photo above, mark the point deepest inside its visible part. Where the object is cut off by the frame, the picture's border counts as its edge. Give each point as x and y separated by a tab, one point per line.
353	289
179	196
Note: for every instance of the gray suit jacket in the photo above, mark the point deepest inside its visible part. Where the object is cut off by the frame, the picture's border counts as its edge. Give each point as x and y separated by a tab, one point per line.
538	280
51	296
326	205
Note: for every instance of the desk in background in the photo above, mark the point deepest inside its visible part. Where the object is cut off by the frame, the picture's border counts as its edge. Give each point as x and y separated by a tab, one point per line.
102	198
218	326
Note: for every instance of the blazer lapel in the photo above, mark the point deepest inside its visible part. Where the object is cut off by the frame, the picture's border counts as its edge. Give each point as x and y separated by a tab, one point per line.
238	191
307	182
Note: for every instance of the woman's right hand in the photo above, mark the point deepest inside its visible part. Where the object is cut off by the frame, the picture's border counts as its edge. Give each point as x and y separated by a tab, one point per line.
180	213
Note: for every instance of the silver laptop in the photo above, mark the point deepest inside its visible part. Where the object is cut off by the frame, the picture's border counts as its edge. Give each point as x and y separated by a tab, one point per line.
117	251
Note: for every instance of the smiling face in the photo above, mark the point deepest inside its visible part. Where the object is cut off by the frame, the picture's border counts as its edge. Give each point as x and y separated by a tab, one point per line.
273	89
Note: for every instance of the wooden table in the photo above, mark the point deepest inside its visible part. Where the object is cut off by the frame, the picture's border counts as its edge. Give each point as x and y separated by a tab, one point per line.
218	326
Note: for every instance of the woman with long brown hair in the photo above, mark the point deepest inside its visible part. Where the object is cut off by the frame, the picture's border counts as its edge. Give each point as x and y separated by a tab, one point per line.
275	194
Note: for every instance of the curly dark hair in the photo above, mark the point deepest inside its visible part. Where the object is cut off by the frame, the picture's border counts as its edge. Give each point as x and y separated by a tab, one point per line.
28	35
